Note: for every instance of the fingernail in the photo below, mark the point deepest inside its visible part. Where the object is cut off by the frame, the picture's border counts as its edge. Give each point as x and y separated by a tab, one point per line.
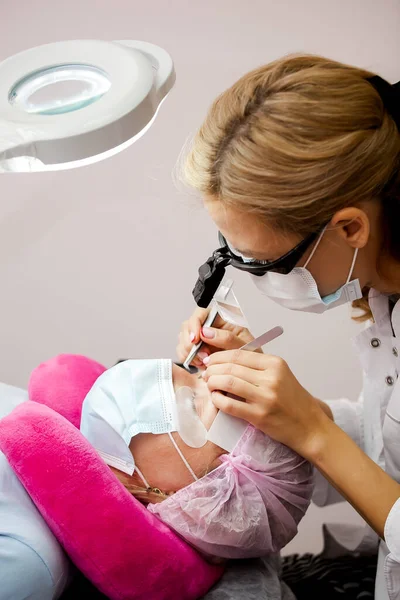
204	374
202	355
208	332
192	336
206	360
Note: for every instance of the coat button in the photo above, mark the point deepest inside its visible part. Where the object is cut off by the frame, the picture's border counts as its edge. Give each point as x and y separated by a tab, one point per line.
375	343
395	351
389	380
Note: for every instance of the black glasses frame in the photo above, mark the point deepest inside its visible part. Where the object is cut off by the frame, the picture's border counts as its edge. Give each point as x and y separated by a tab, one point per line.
283	264
212	271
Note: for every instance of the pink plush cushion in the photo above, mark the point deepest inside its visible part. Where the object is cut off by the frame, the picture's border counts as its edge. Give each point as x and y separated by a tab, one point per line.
63	383
122	548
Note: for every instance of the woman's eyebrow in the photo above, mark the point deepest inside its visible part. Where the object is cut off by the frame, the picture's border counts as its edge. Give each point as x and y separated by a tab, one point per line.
242	251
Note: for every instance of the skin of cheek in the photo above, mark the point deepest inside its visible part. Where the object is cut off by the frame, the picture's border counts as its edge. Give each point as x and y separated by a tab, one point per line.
159	462
330	265
162	466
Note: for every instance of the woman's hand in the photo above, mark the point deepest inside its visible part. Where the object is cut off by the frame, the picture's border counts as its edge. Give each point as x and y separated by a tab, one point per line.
276	403
221	336
273	399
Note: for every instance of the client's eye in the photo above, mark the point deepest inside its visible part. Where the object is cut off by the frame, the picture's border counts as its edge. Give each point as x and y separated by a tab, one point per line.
186	399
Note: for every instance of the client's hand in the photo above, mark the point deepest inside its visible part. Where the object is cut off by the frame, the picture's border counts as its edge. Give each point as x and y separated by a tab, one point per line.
273	399
222	336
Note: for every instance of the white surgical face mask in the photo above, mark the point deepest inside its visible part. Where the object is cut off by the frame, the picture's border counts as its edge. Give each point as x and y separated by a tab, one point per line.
298	289
137	396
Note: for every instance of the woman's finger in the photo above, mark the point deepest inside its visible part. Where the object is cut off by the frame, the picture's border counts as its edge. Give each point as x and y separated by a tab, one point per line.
236	408
183	348
185	344
194	324
253	360
182	355
246	373
233	385
220	338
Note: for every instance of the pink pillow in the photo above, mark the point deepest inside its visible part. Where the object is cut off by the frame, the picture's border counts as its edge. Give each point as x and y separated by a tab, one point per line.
63	383
121	547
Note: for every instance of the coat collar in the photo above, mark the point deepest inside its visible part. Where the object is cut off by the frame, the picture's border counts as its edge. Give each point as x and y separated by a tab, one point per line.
379	304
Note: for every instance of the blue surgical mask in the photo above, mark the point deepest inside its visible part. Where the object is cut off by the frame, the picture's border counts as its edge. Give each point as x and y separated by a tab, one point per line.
137	396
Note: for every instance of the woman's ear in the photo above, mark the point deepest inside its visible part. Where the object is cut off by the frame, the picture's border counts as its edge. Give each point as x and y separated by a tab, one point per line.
353	224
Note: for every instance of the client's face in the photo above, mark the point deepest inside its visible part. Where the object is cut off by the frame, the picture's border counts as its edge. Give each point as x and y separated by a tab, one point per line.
156	456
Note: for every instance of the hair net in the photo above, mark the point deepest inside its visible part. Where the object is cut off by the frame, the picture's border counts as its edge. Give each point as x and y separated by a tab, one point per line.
249	506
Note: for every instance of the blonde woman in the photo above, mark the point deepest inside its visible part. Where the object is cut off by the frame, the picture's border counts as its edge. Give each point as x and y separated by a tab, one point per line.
298	165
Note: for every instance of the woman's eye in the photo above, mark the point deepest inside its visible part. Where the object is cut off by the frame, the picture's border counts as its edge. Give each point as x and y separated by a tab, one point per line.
250	259
255	261
260	262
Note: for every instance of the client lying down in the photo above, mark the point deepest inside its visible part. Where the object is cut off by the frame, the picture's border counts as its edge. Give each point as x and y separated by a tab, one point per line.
148	420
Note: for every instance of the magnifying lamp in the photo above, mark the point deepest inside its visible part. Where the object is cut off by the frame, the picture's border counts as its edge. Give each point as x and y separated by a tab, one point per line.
73	103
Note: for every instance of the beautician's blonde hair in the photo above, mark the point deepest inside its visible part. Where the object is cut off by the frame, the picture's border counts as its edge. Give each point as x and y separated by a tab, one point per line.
297	140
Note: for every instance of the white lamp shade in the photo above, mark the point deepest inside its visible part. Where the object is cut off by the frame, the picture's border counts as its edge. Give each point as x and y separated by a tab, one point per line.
69	104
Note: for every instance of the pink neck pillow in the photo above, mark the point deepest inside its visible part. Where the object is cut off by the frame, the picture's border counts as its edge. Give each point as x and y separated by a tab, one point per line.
125	551
62	383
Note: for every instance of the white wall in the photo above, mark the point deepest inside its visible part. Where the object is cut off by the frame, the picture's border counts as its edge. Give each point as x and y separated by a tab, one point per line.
102	260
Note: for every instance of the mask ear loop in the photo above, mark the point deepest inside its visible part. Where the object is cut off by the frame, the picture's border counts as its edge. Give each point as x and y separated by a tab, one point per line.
142	477
353	262
183	458
352	265
315	247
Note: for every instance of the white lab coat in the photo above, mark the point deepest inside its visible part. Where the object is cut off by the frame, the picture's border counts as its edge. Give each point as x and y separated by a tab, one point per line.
374	424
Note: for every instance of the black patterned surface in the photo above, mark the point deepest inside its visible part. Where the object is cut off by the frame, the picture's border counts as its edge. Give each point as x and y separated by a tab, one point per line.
308	576
348	577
